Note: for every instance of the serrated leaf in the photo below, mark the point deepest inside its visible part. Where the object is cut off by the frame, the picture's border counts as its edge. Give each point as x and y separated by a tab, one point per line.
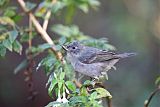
2	50
70	85
77	100
13	35
7	44
17	47
103	93
51	87
21	66
48	63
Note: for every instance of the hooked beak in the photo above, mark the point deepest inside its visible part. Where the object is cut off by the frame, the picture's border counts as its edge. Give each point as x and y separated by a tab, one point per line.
64	47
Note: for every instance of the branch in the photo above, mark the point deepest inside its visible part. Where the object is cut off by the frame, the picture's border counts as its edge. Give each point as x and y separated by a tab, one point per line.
109	102
48	15
147	102
46	20
40	30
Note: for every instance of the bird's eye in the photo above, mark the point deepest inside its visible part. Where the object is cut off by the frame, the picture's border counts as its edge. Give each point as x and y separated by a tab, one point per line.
73	47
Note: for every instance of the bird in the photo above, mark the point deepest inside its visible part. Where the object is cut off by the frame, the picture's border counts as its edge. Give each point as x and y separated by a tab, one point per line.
91	61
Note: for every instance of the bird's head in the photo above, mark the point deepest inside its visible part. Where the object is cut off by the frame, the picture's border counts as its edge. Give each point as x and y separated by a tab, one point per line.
73	48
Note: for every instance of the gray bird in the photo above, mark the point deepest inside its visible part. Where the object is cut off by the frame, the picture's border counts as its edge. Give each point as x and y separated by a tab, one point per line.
90	61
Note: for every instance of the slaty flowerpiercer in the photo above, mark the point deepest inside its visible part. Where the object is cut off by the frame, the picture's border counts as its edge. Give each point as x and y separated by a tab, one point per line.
90	61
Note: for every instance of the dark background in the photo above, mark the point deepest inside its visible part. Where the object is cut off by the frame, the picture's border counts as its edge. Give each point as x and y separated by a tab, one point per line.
129	25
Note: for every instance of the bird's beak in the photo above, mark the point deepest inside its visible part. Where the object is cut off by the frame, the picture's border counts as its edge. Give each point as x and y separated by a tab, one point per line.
64	47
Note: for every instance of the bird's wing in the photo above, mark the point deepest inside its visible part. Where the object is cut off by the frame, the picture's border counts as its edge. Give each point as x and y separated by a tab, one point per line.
99	56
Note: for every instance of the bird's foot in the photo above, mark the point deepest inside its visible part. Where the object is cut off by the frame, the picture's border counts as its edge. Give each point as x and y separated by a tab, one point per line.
104	74
94	81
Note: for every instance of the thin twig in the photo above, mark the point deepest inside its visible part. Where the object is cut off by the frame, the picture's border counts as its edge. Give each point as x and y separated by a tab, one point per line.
30	33
48	15
147	102
40	30
46	20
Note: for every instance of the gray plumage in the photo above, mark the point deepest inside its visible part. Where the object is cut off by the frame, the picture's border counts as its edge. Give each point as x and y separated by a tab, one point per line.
91	61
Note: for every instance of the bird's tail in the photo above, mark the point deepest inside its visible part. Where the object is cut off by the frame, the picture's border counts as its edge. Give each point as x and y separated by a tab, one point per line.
125	55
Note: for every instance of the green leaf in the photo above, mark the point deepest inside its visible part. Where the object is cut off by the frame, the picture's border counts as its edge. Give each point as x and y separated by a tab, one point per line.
2	50
51	87
44	46
70	74
62	75
7	44
51	77
93	95
25	37
3	3
3	36
70	85
87	82
76	100
98	43
13	35
17	47
21	66
84	7
83	91
62	40
30	5
157	80
61	30
54	104
6	21
103	93
9	13
17	18
58	6
58	47
60	83
93	3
